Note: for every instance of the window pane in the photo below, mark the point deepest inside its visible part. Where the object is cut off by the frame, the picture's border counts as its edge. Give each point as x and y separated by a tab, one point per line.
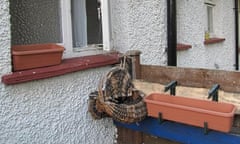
210	18
86	22
94	24
35	21
79	23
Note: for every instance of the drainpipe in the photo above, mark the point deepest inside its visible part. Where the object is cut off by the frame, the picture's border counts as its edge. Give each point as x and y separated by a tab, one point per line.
171	33
236	33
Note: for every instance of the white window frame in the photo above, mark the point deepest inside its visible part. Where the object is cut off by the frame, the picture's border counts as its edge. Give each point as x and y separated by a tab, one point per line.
67	39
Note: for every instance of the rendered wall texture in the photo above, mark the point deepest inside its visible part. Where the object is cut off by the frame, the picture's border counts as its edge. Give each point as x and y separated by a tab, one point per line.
53	111
5	38
141	25
35	21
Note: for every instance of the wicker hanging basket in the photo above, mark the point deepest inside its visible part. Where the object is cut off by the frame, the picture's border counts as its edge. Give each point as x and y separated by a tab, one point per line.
117	98
94	106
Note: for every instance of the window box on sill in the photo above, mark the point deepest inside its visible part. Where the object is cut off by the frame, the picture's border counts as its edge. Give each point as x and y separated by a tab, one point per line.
213	40
181	47
67	66
36	55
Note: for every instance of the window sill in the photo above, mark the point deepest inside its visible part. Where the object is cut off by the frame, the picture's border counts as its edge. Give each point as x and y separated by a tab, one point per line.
67	66
181	47
213	41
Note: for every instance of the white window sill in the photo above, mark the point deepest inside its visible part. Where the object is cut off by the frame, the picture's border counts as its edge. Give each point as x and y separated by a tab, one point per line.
83	51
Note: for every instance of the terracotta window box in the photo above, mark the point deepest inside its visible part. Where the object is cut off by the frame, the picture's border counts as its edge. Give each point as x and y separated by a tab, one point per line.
196	112
213	40
36	55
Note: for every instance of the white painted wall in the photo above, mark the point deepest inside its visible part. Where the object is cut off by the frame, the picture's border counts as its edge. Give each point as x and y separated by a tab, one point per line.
141	25
5	61
191	18
53	111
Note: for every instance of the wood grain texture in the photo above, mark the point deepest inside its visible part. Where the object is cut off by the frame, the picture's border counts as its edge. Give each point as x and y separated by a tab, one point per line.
201	78
148	139
128	136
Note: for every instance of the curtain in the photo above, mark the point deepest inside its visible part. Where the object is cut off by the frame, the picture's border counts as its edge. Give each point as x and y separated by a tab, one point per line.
79	23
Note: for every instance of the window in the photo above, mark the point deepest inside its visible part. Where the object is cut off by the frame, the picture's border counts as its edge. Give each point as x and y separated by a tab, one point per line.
85	25
210	18
86	22
209	29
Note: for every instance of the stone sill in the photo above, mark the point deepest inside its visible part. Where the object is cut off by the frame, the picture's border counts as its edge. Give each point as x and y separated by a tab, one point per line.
181	47
67	66
213	41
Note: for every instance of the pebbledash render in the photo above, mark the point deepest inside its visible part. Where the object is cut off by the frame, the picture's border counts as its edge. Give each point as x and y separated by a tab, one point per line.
54	110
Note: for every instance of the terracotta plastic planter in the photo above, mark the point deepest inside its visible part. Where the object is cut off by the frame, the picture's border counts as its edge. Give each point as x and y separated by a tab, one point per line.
217	116
36	55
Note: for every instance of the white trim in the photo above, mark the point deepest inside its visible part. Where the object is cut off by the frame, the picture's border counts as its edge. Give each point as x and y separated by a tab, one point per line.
67	28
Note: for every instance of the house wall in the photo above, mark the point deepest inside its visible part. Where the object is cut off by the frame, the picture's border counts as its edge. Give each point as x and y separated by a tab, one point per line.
5	38
35	21
191	18
141	25
53	110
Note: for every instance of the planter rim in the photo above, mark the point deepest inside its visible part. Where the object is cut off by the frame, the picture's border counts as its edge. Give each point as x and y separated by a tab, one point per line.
53	48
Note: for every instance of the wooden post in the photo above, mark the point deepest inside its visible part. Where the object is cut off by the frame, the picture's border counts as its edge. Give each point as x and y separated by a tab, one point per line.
128	136
136	67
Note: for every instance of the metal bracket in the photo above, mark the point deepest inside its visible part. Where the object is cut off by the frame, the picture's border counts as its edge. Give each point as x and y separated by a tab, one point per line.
206	130
172	86
160	119
213	92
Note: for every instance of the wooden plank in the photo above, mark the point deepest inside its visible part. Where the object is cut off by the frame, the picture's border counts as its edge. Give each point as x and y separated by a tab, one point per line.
148	139
202	78
128	136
